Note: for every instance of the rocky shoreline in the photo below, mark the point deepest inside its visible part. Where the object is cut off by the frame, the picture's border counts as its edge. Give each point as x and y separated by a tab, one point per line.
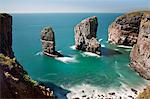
131	29
91	92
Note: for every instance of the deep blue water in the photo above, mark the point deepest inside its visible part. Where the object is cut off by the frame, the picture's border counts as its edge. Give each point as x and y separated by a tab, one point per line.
109	70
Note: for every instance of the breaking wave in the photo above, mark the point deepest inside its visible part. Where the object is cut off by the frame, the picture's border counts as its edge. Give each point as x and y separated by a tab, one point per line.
67	59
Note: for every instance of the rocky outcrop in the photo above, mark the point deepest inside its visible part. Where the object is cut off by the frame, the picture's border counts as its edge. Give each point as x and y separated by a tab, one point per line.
85	35
48	42
6	35
15	83
125	29
145	94
140	54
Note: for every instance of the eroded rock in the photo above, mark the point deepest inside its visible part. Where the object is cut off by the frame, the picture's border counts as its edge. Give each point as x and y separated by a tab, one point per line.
48	42
85	35
125	29
140	54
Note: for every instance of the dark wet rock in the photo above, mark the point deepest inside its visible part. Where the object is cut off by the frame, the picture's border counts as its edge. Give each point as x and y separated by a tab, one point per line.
140	53
83	91
131	97
84	96
48	42
133	90
125	29
85	35
112	93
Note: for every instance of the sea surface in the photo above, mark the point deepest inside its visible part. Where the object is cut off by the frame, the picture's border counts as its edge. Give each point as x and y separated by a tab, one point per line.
110	70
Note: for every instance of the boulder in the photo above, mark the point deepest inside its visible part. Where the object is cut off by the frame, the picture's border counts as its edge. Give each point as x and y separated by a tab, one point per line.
48	42
140	54
85	35
125	29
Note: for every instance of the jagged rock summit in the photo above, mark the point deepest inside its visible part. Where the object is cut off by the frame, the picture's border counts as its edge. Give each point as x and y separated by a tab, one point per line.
48	42
85	35
140	54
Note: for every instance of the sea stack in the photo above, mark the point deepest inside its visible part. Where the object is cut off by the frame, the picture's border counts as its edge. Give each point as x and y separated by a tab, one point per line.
6	35
48	42
140	54
85	35
125	29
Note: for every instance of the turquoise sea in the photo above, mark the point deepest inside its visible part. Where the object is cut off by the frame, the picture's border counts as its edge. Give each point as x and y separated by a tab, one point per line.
109	70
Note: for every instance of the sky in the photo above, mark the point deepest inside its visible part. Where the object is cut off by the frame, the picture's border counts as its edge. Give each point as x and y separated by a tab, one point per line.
47	6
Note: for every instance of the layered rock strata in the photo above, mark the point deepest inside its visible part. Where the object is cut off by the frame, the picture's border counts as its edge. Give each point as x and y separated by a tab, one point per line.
48	42
85	35
125	29
140	54
15	83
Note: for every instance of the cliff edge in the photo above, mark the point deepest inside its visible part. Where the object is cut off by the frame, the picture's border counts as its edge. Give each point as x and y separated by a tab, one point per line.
125	29
15	83
140	54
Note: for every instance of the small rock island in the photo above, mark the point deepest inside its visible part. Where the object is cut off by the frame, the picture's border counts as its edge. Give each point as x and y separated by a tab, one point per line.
85	35
48	42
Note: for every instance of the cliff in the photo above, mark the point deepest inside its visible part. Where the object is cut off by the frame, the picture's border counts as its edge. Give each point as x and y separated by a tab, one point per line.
140	54
6	35
14	81
85	35
125	29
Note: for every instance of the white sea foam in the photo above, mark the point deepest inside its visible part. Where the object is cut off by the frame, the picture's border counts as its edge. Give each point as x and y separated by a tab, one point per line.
123	46
100	40
89	54
73	47
94	92
102	45
39	53
67	59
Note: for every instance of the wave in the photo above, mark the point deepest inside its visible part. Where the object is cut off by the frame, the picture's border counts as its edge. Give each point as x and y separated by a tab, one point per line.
73	47
67	59
102	45
89	54
123	46
96	92
100	40
39	53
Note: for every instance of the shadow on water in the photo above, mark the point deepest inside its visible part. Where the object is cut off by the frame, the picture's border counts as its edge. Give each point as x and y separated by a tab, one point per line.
109	52
59	92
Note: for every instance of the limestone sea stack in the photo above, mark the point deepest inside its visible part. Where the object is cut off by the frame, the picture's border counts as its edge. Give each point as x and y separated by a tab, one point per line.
48	42
85	35
125	29
140	54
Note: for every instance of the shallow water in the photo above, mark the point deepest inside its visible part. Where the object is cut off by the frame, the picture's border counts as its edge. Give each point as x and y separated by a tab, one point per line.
107	71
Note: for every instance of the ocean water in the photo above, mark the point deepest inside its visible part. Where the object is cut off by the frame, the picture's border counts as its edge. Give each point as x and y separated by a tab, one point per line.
110	70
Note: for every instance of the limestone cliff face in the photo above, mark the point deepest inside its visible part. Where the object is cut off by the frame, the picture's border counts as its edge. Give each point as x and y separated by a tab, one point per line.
140	54
48	42
6	35
125	29
85	35
15	83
